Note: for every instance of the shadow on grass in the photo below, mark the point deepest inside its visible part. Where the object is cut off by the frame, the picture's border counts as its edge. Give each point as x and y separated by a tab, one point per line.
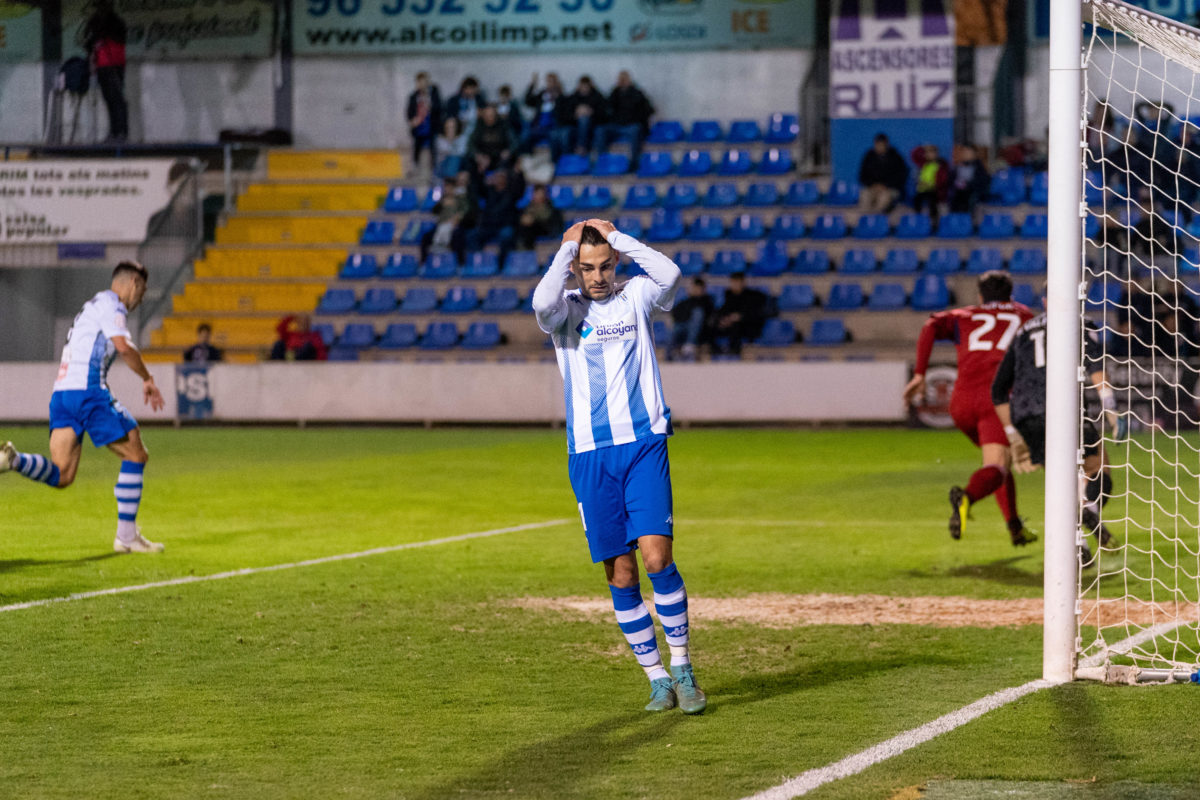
1003	570
16	564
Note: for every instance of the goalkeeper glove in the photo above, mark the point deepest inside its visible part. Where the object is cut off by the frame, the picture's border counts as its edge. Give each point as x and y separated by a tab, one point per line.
1020	450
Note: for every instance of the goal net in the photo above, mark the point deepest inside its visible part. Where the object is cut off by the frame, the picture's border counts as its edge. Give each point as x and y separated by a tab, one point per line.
1138	612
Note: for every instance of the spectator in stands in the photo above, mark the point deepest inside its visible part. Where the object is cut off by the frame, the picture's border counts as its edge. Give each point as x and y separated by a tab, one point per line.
466	104
298	341
933	179
455	213
451	142
104	37
509	110
883	176
424	116
203	352
588	111
492	143
1102	136
741	316
1151	159
969	180
549	104
538	219
1157	325
629	116
692	317
498	213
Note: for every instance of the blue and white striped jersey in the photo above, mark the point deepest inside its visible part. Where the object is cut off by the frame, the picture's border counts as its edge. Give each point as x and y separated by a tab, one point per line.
605	348
89	350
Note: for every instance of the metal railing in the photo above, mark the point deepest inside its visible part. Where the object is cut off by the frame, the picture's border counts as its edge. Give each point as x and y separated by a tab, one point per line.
173	241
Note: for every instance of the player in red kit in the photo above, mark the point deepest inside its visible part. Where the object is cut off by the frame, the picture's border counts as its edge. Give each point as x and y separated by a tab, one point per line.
981	335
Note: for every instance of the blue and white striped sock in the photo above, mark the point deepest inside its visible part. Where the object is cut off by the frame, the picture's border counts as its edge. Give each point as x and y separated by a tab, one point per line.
129	496
37	468
670	601
638	627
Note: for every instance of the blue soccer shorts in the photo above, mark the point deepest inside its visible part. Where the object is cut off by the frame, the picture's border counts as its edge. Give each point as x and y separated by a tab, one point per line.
94	411
624	493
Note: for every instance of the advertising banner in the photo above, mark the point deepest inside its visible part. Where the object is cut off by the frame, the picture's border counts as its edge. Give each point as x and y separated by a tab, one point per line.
477	26
20	33
1185	11
80	201
164	30
892	72
191	385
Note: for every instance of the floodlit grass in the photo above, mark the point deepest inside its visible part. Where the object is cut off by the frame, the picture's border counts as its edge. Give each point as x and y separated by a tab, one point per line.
417	674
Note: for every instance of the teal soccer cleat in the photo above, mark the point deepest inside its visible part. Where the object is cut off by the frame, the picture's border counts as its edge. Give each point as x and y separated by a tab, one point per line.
662	695
690	697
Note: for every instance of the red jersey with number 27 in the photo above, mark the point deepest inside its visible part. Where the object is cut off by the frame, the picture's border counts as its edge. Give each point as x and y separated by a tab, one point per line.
981	335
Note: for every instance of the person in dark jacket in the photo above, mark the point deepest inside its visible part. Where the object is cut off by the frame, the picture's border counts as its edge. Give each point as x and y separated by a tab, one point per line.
492	144
692	317
498	213
588	110
466	104
203	351
629	116
424	115
538	219
550	111
509	110
969	181
741	316
104	37
882	174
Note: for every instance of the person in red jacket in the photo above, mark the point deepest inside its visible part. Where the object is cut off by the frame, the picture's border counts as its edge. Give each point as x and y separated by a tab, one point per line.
933	180
104	38
298	341
981	334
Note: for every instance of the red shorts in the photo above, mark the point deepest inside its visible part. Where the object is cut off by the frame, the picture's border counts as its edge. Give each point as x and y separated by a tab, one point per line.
977	418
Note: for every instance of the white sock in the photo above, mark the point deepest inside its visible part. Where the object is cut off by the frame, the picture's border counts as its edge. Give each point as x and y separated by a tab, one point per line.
679	654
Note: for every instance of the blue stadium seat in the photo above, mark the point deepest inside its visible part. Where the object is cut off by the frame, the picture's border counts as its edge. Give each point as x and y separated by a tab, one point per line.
440	336
706	227
449	167
1104	295
400	200
735	162
857	262
358	266
705	131
378	231
776	162
827	332
914	226
747	226
782	128
629	224
594	197
1024	294
983	259
610	164
901	262
666	225
1027	261
400	265
955	226
1039	191
398	336
500	300
777	332
336	301
762	194
481	336
1035	226
431	198
415	230
660	333
742	131
997	226
943	260
357	335
930	293
723	195
872	226
681	195
727	262
655	164
419	300
788	226
1093	187
571	165
483	264
439	265
797	297
844	297
667	131
690	262
641	195
842	193
521	264
378	301
325	331
527	302
802	193
694	163
811	262
340	352
561	195
771	258
459	300
828	226
887	297
1007	187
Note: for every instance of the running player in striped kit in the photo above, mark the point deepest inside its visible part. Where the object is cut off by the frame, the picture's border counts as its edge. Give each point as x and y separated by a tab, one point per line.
81	403
617	429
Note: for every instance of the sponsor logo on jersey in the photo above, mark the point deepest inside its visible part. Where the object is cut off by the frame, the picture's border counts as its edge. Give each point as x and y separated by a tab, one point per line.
584	330
623	331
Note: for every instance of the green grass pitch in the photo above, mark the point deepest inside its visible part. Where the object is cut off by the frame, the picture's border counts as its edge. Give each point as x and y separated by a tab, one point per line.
425	674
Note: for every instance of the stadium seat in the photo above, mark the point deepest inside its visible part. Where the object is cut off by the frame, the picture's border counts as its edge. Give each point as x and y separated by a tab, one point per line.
666	132
842	193
943	260
797	297
844	297
695	163
1024	294
828	226
660	333
521	264
483	264
802	193
378	301
629	224
955	226
1035	226
1039	191
1104	295
449	167
357	335
666	225
419	300
358	266
325	331
459	300
723	195
872	226
439	265
983	259
914	226
727	262
610	164
1027	261
1007	187
997	226
1093	187
378	231
440	336
655	164
777	332
400	200
771	259
706	227
400	265
500	300
594	197
415	231
742	131
690	262
857	262
901	262
827	332
782	128
641	195
398	336
762	194
705	131
481	336
735	162
336	301
561	195
930	293
681	195
811	262
788	226
570	165
431	198
776	162
747	226
887	297
340	352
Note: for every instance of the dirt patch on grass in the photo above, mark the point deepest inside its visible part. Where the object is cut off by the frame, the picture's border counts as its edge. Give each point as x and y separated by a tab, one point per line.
772	610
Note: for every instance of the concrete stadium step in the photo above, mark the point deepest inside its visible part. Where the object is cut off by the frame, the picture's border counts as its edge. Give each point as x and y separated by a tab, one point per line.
275	197
325	229
200	298
280	263
334	165
228	332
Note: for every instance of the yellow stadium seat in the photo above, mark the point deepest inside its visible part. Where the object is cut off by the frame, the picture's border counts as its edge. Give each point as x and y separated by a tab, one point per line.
334	165
265	262
297	230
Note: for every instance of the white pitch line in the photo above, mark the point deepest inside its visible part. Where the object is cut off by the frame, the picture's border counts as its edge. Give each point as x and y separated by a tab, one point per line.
237	573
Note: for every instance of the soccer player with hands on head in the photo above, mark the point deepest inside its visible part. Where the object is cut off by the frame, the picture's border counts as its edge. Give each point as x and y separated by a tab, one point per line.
617	427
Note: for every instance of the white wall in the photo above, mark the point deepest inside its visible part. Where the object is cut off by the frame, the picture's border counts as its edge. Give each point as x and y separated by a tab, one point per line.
191	101
21	109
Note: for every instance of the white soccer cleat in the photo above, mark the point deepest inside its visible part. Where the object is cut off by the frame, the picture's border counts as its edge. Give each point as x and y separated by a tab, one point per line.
139	544
8	457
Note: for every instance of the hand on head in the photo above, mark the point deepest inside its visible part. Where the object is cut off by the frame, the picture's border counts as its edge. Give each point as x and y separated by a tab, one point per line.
574	233
604	226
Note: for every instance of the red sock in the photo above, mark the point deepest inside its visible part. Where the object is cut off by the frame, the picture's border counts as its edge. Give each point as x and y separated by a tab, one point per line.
1006	498
984	481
